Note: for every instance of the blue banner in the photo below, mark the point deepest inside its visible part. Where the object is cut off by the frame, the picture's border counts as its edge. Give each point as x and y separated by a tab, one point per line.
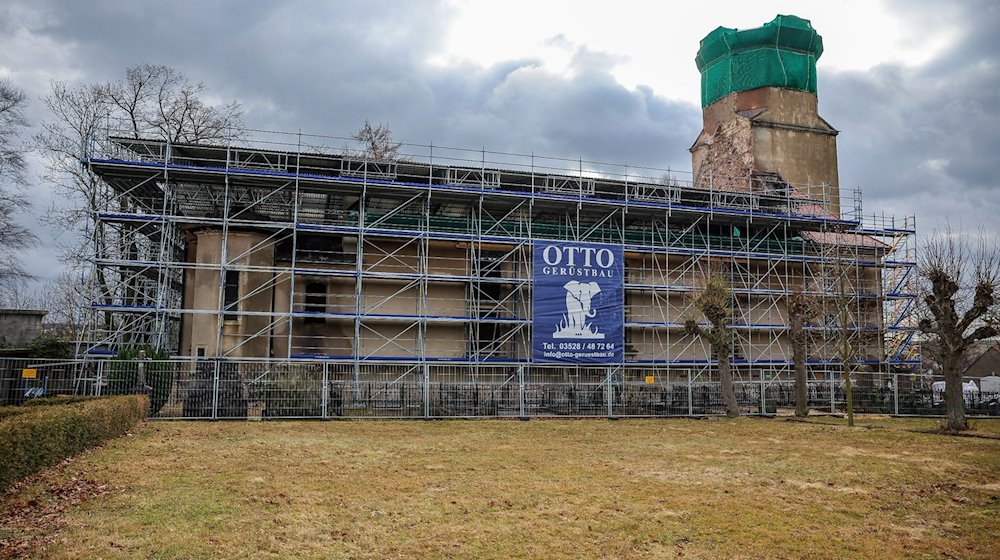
577	303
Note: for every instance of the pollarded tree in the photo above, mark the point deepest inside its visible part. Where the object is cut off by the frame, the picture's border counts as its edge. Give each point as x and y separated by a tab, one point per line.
715	301
802	309
960	285
13	167
845	302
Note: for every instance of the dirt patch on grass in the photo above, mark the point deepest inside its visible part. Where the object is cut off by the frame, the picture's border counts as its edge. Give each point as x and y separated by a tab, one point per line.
825	487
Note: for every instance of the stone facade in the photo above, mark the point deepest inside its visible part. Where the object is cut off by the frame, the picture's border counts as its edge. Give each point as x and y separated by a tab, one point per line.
768	130
20	326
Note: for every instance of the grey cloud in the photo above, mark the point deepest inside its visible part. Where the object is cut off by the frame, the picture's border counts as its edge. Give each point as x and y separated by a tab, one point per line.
910	135
924	138
324	67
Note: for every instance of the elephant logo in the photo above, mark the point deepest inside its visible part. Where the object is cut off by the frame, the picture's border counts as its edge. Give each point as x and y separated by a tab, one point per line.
579	296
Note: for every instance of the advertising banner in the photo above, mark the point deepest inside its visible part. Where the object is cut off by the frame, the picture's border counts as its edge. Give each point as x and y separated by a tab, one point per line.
577	303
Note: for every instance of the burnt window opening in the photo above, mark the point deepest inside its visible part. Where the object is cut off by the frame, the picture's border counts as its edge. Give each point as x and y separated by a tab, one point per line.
315	302
489	293
487	341
230	294
490	266
316	248
627	318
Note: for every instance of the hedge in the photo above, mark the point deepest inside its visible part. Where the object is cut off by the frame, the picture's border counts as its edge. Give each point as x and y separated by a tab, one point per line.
30	404
59	400
34	440
12	410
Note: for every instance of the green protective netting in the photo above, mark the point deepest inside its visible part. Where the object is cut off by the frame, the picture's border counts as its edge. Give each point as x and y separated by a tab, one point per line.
781	53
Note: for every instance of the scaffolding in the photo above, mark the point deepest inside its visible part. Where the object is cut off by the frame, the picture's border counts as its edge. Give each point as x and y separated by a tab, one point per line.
403	288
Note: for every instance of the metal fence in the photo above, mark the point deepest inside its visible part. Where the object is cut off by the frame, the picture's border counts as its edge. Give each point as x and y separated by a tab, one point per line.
255	390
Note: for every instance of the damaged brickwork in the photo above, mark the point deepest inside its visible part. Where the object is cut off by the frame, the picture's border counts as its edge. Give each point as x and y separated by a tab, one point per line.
727	157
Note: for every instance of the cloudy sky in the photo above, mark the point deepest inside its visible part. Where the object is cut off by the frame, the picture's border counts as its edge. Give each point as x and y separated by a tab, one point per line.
913	86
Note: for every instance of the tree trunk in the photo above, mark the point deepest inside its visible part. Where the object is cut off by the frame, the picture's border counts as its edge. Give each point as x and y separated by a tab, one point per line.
801	389
954	400
846	348
728	391
849	390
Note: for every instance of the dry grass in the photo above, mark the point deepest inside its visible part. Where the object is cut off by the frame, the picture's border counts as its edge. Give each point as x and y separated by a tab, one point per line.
749	488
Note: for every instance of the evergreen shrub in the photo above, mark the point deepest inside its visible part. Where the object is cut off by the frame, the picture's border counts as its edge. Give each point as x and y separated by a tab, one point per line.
123	375
44	435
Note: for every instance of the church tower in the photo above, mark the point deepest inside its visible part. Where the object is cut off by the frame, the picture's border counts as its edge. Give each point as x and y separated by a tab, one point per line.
759	109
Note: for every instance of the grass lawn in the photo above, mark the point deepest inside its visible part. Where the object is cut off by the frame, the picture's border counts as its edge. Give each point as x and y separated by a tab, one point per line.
749	488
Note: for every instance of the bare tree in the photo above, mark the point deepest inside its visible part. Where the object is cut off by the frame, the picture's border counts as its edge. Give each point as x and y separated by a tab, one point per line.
959	285
802	309
715	302
159	102
842	311
17	293
77	113
376	142
13	167
152	101
65	299
845	303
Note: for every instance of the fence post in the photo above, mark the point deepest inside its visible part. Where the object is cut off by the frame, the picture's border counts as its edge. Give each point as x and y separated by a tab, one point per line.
610	396
895	393
833	393
326	391
763	400
427	390
690	396
520	390
215	390
99	381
